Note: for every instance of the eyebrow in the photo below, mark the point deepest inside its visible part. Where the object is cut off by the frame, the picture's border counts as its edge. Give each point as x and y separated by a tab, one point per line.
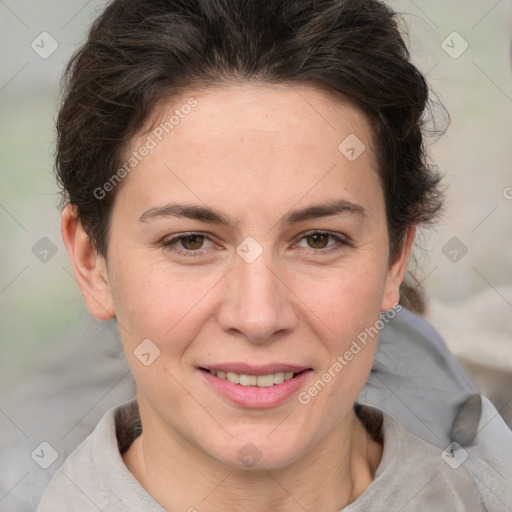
210	215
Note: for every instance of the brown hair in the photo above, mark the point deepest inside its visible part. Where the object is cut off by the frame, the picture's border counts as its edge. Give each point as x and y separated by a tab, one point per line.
141	52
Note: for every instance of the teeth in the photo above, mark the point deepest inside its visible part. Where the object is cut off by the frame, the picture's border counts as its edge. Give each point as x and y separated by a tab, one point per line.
233	377
248	380
278	377
261	381
265	381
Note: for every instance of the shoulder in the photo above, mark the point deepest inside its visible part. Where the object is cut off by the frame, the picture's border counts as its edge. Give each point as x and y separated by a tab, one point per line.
94	476
414	475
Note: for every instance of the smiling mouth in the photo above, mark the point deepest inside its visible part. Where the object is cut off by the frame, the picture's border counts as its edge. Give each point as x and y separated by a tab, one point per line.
261	381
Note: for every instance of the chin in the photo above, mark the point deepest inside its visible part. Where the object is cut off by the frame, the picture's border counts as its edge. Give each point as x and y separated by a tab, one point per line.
258	452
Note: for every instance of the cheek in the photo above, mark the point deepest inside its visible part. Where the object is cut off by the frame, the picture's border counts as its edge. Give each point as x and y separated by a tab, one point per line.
346	315
152	302
346	310
344	299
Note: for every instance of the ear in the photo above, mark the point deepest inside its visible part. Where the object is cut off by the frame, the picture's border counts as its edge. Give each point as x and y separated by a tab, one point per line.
397	270
88	265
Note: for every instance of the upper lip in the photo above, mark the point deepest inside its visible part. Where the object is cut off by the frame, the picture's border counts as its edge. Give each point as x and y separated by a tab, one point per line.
248	369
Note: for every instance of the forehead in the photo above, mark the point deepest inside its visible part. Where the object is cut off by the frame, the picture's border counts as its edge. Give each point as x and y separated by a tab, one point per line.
282	141
299	115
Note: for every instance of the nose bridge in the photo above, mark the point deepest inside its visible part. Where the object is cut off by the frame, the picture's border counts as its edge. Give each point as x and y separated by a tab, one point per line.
258	280
258	304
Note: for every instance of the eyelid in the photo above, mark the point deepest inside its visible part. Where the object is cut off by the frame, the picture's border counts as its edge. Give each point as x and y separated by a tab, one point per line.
342	239
173	240
170	242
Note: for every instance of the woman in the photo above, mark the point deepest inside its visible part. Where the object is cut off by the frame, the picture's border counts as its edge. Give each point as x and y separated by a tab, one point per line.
243	181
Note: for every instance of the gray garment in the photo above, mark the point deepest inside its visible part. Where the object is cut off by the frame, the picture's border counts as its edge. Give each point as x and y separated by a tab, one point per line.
411	477
414	379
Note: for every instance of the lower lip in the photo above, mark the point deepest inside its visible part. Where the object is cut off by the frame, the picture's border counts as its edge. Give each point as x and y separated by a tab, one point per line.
253	396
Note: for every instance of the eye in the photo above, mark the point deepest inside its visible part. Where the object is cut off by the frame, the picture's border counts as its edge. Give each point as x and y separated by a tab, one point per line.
187	244
193	244
319	241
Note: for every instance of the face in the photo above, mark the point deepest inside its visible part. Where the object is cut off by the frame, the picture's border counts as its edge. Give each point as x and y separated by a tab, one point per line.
248	240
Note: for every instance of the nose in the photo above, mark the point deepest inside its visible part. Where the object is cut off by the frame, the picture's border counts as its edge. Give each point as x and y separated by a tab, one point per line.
256	302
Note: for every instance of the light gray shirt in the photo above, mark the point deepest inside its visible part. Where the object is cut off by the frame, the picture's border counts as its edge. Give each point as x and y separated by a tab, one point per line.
413	475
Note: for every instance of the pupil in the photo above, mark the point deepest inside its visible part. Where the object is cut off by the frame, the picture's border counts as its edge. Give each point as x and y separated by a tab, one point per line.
193	241
316	238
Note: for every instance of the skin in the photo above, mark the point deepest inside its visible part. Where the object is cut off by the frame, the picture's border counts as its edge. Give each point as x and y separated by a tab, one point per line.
254	153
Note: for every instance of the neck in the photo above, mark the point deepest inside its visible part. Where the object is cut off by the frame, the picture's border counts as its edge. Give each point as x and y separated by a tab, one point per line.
329	477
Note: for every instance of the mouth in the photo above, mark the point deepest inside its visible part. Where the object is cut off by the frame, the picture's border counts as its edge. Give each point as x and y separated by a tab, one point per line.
258	387
261	380
250	386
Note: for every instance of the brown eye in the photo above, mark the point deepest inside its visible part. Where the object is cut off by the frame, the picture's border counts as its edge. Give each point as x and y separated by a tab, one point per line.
188	244
323	242
192	242
318	240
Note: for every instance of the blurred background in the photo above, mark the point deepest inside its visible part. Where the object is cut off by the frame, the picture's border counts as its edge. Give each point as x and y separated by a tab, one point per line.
464	264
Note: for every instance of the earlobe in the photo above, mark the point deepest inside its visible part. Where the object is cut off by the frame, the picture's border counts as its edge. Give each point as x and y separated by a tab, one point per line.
397	270
89	266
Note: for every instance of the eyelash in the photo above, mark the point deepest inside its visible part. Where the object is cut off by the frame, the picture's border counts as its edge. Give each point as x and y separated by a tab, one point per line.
171	243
